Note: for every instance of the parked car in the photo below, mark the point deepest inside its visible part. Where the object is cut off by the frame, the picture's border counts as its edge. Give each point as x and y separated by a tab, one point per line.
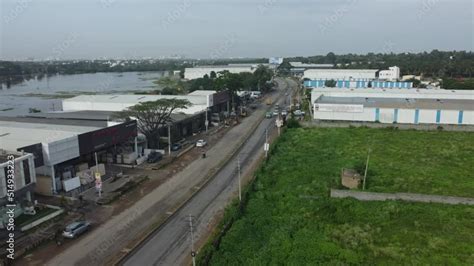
298	113
268	115
154	157
201	143
275	112
284	113
75	229
176	146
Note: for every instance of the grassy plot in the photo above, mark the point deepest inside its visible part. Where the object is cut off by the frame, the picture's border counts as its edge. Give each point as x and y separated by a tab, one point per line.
289	218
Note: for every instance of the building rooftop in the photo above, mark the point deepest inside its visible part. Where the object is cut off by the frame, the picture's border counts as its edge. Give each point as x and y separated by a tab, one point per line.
5	153
344	70
16	134
136	98
408	103
305	65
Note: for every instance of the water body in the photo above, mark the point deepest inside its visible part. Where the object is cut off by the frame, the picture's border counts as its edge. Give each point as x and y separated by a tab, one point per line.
46	94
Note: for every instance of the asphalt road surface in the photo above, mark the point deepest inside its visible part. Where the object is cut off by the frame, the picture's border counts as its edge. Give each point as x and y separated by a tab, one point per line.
171	243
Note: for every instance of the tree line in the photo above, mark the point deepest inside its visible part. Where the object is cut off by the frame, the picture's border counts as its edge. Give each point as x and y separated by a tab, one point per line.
435	64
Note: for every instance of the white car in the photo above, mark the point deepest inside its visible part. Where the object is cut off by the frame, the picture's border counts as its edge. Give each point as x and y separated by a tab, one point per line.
284	113
298	113
201	143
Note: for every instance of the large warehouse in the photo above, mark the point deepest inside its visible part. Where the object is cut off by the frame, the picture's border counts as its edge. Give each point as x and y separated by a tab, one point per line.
394	106
321	83
200	100
200	71
340	74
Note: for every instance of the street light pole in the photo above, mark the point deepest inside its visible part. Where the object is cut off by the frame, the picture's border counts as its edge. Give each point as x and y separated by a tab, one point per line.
207	120
266	143
238	168
193	254
169	139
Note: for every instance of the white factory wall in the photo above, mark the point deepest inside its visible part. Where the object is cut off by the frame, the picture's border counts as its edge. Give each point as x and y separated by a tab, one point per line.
468	118
60	151
449	116
427	116
387	115
406	116
393	93
367	114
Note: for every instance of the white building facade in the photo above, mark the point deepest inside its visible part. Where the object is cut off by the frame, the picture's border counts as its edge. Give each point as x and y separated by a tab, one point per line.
392	74
420	106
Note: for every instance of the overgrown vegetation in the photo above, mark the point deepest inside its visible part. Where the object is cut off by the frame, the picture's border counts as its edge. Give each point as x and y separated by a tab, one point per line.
290	219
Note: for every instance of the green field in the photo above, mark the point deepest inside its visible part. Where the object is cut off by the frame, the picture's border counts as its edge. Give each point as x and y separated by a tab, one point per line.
289	218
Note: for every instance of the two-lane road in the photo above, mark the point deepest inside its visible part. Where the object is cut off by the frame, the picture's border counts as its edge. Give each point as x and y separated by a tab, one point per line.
171	243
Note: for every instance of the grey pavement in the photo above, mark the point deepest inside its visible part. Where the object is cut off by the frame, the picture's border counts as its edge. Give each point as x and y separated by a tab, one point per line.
171	244
102	244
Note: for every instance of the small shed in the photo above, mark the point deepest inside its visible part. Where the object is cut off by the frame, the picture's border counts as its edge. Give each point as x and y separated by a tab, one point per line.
350	178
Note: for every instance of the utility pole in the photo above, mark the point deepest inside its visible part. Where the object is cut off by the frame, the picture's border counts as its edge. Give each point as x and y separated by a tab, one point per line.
266	143
366	168
238	169
193	254
207	121
169	140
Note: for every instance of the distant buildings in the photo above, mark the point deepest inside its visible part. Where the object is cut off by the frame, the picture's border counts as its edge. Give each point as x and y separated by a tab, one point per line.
199	71
355	78
392	74
341	74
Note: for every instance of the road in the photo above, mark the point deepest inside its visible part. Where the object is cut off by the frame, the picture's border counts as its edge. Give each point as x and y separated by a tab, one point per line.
171	243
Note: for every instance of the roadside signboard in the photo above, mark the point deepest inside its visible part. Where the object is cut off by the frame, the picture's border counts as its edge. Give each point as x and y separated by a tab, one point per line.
266	147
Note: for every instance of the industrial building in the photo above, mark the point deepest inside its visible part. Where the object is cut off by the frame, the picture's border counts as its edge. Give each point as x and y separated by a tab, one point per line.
299	68
65	150
25	180
356	78
321	83
201	100
340	74
394	106
200	71
393	93
392	74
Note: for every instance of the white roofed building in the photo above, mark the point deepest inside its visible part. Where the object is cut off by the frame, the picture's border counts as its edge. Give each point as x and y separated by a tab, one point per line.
340	74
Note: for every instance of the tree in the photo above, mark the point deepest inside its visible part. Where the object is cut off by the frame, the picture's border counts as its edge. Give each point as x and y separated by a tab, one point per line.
152	116
262	75
330	83
213	74
231	82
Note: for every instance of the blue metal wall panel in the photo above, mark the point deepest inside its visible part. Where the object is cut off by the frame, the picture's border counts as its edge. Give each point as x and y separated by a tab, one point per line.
395	115
417	115
438	116
460	117
377	114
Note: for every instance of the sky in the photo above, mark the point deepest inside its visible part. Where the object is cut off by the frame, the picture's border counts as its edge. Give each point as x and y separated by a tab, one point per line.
85	29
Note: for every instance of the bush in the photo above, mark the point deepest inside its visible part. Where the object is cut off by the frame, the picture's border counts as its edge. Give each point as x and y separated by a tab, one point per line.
293	123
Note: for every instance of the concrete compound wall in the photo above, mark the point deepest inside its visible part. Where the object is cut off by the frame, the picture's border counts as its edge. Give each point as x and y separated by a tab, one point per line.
343	124
406	116
376	196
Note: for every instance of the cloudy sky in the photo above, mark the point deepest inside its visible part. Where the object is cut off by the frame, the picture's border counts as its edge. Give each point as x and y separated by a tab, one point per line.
71	29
